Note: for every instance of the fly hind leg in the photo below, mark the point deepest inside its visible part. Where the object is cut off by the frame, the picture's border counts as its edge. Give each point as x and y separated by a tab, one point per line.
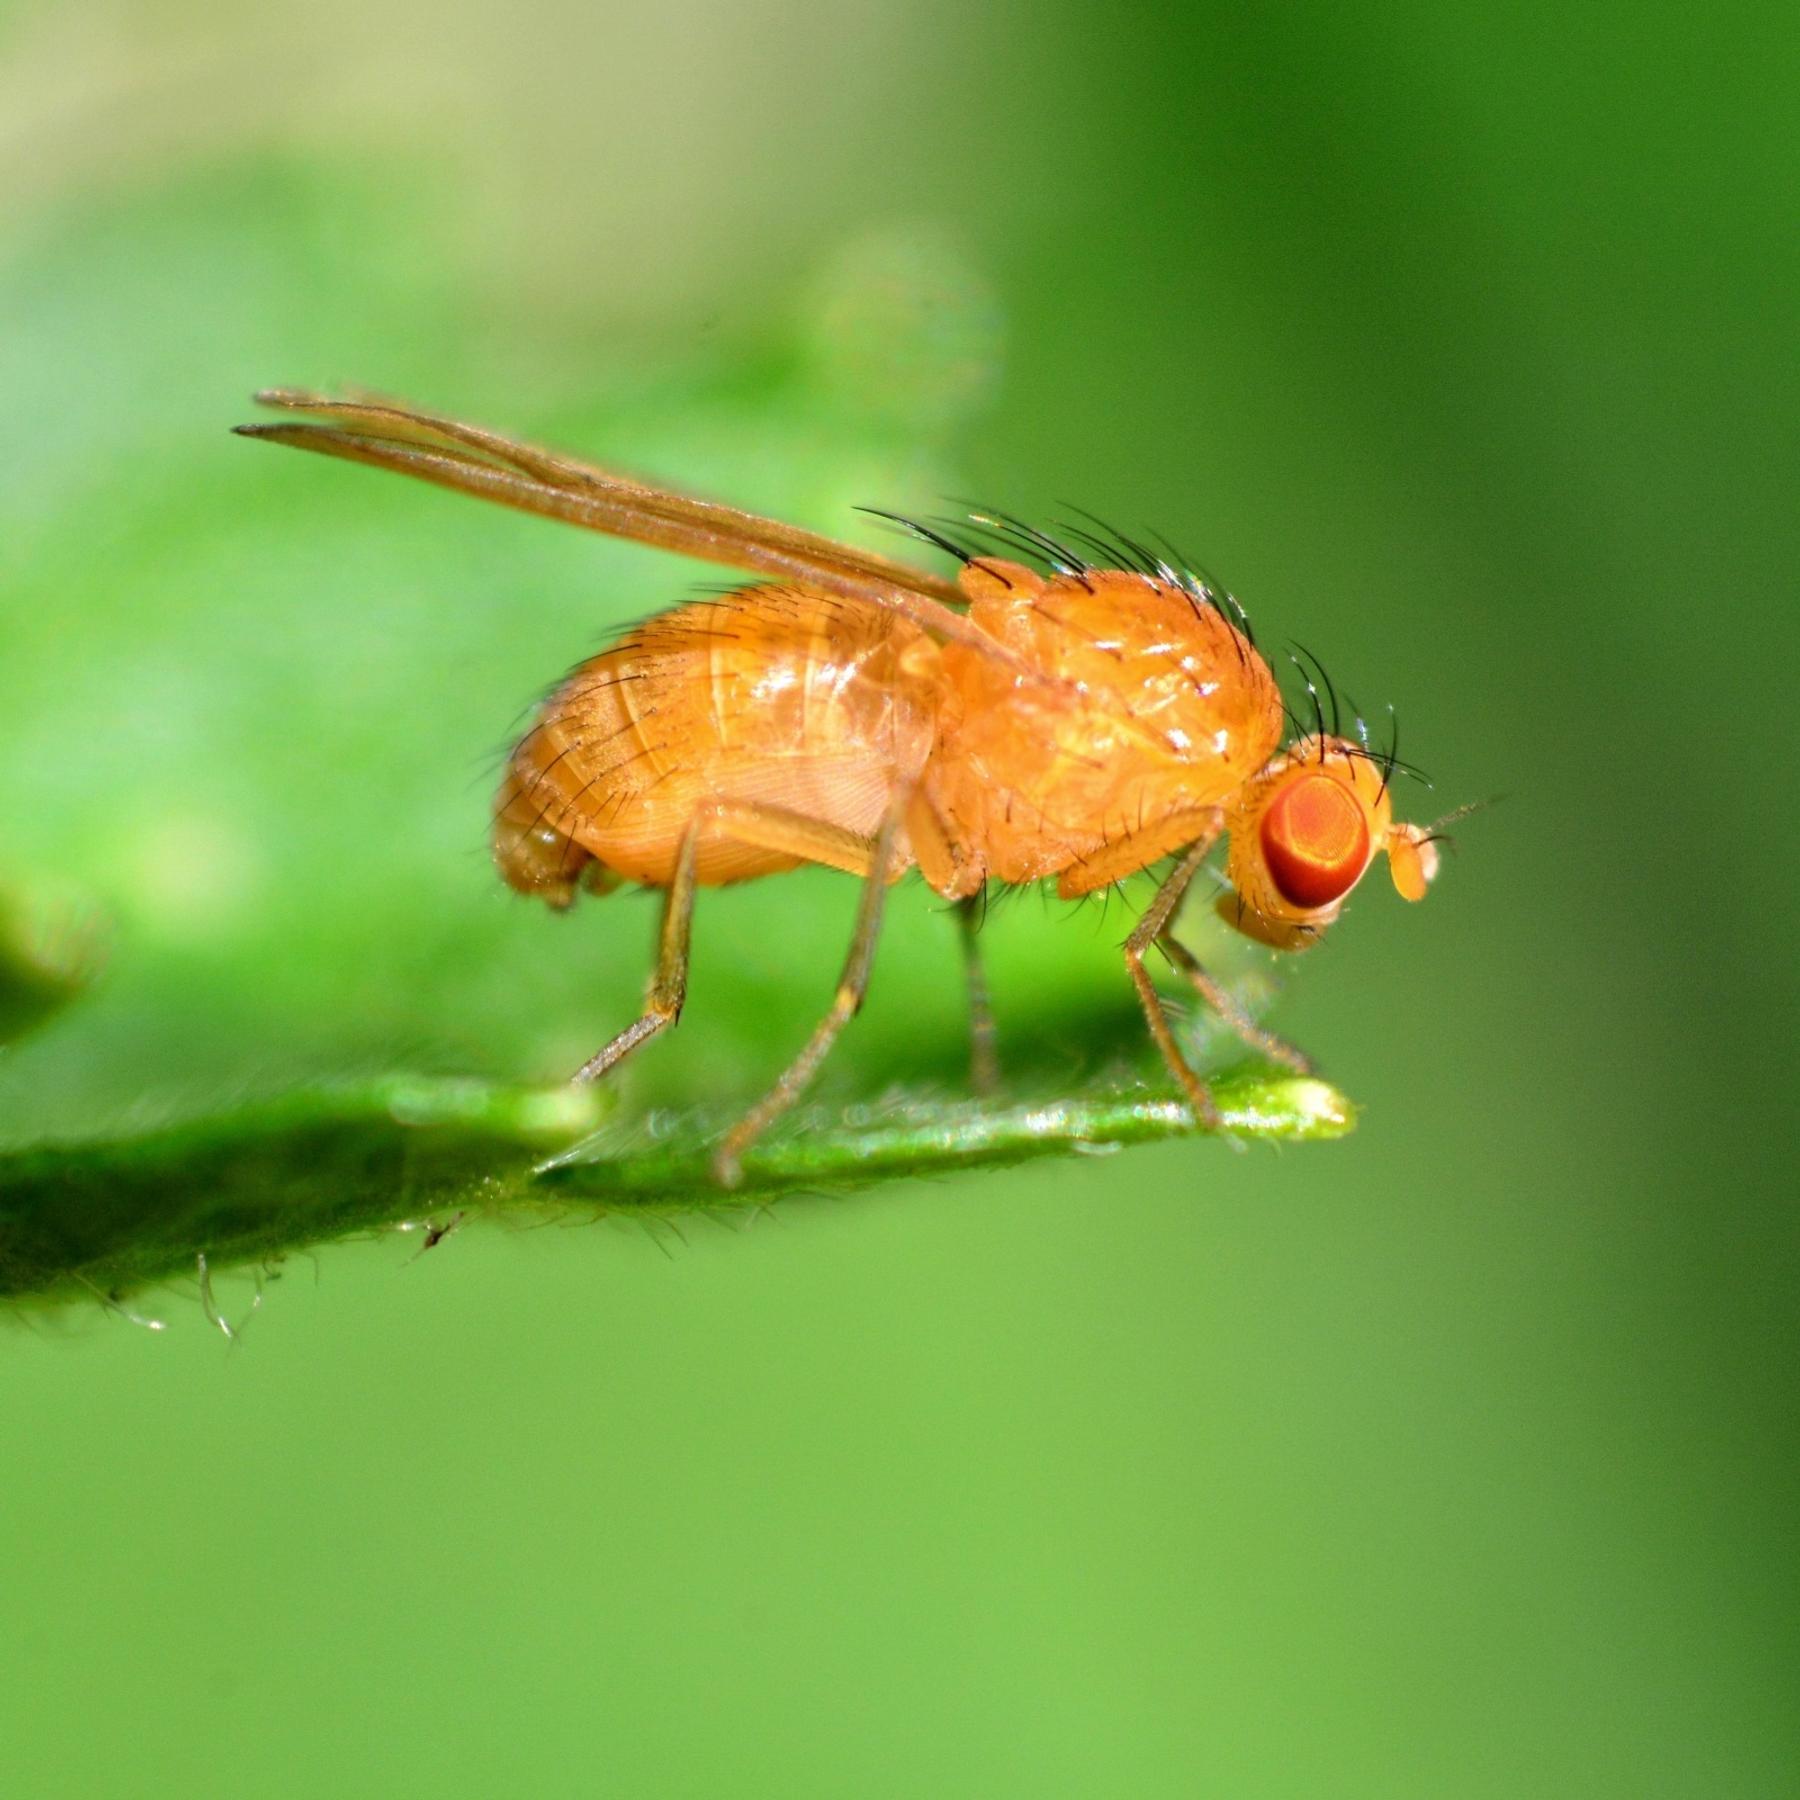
852	985
768	828
668	986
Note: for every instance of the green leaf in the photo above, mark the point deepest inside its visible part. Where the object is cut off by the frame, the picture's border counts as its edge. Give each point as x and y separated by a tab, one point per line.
254	1185
249	698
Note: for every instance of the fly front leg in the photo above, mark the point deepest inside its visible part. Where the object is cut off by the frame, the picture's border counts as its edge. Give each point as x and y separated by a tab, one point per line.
852	985
1148	929
1229	1008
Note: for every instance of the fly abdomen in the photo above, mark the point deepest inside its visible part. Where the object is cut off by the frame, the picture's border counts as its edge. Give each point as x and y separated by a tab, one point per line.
774	697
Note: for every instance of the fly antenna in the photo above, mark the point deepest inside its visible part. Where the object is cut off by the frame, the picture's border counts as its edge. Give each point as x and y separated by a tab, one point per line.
1435	832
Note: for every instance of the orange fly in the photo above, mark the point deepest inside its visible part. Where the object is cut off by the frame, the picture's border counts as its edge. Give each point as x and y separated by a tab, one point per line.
1082	723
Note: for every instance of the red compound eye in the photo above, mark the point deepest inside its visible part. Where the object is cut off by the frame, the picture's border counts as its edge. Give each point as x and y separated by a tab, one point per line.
1315	838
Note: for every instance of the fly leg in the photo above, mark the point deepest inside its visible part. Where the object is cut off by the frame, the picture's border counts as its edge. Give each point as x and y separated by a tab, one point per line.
1147	930
768	827
852	985
949	869
1226	1005
668	986
984	1063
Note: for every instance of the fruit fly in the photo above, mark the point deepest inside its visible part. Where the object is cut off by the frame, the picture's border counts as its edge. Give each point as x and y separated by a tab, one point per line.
1049	713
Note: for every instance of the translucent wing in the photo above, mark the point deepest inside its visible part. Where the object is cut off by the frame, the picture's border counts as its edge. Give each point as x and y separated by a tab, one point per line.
474	461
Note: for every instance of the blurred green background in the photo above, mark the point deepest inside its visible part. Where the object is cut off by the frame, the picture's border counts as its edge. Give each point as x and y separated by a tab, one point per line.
1455	1459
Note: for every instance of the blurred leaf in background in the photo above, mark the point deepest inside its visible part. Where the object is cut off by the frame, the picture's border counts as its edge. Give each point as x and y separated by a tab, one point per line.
269	767
1456	1458
51	950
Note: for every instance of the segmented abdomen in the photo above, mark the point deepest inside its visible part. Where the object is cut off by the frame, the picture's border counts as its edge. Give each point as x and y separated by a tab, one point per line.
783	696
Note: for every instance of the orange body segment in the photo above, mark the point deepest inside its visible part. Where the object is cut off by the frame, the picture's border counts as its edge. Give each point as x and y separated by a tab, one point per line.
779	697
1150	709
1156	709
